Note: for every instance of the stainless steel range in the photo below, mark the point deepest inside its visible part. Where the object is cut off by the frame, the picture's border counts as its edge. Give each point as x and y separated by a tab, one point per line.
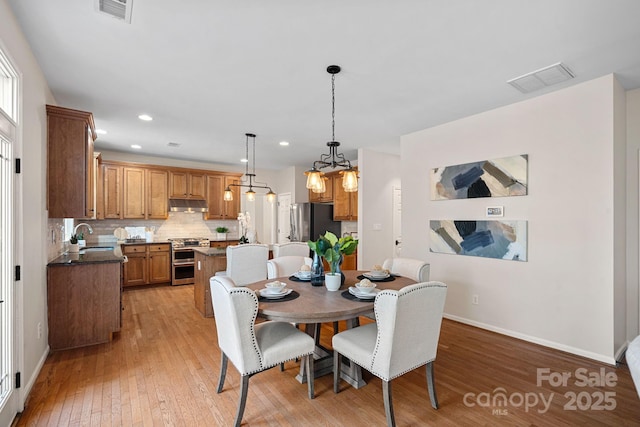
182	258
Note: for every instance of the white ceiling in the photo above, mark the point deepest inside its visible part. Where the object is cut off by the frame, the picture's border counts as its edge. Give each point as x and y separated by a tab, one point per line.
211	71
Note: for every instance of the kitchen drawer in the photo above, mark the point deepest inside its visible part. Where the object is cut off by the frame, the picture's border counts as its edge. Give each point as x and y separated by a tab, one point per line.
159	248
135	249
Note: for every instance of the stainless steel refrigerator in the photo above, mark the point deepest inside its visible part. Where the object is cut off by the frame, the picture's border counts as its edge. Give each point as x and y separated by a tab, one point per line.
310	220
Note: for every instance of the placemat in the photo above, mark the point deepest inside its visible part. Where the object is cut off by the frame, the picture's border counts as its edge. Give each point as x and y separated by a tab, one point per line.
293	295
386	279
348	295
296	279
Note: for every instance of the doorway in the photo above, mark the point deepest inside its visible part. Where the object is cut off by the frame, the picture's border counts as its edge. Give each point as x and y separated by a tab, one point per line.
8	313
284	222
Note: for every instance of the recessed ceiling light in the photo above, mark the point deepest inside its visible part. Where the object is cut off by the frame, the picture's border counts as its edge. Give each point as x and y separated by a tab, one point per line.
136	146
284	143
145	117
244	160
101	131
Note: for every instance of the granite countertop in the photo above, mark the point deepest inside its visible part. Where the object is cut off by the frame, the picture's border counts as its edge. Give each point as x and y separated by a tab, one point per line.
94	257
211	251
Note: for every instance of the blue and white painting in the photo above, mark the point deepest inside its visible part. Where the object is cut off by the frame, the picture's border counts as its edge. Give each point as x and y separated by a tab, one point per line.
488	178
490	239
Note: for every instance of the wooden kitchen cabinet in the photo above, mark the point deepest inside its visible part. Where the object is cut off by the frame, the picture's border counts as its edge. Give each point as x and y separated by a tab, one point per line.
157	206
112	191
84	304
147	264
206	266
327	196
70	163
145	193
345	205
218	208
223	243
187	185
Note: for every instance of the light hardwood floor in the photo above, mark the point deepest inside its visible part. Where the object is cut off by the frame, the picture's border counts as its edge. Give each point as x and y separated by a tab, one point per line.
162	369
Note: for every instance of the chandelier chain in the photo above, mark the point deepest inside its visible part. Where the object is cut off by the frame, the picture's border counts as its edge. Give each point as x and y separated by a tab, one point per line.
333	107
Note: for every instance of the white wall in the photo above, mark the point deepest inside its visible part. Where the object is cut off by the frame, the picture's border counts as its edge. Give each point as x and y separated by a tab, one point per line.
633	190
563	296
31	201
379	173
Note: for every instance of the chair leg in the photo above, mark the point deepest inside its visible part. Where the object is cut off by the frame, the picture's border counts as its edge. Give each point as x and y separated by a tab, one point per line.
432	386
310	375
282	367
388	404
244	389
336	329
223	372
336	371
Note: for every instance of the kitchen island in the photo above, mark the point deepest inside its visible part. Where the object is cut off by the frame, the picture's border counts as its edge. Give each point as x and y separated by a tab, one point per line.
208	261
84	298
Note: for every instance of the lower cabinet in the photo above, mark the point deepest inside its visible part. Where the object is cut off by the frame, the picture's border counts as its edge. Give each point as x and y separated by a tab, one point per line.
84	304
147	264
206	266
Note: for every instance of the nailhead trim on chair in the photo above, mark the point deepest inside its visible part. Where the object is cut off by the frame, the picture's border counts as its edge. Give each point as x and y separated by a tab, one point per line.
396	295
254	340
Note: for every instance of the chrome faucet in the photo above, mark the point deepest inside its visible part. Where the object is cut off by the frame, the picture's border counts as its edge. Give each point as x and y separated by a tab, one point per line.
75	229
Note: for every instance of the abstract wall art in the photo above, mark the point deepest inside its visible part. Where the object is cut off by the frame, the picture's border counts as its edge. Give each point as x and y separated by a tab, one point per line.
488	178
489	239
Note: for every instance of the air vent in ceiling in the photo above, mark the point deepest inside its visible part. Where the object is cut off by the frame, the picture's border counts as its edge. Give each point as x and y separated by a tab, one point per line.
120	9
544	77
174	144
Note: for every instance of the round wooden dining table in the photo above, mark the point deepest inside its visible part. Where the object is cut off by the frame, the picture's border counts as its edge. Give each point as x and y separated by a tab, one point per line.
314	305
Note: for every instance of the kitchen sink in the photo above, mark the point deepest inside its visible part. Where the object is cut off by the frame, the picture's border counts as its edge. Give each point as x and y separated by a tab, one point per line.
95	249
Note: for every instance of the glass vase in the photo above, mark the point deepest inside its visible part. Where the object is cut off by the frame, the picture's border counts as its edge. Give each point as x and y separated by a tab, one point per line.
317	271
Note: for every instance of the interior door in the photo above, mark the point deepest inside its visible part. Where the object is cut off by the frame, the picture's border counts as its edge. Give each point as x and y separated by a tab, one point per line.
397	221
8	314
284	224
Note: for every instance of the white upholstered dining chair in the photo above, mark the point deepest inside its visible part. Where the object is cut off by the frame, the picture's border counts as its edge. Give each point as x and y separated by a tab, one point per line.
286	265
290	248
253	348
246	263
633	361
415	269
404	337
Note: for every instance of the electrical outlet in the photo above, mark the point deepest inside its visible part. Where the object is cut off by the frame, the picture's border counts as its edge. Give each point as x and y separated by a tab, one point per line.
474	300
39	330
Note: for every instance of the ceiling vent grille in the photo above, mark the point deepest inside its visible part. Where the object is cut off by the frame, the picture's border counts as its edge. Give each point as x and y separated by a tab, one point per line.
120	9
174	144
544	77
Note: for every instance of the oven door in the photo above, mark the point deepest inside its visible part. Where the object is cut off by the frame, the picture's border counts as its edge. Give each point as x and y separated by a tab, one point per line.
182	269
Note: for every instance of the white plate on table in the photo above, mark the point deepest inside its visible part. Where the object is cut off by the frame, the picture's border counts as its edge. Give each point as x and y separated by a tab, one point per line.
269	294
302	277
376	276
363	295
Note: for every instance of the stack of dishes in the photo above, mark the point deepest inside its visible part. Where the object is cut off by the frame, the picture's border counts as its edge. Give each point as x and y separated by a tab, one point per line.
376	274
303	274
364	289
275	290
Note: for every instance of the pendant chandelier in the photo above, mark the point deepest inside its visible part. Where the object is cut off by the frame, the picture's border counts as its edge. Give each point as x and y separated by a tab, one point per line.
247	179
315	178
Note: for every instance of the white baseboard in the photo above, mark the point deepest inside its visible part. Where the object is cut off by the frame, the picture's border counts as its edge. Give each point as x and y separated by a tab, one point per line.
535	340
26	389
621	351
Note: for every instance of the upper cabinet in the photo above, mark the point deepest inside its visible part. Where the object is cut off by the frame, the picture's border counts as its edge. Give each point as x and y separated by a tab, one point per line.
187	185
345	205
327	196
71	172
218	207
145	193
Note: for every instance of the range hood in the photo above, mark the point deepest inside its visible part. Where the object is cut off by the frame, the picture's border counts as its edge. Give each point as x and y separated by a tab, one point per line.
187	205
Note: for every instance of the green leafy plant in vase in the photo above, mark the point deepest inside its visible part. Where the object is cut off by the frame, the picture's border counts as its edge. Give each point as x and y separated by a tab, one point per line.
333	249
222	233
73	244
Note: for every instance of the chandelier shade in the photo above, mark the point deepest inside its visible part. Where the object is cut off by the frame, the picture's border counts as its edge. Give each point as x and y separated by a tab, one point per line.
248	178
315	179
